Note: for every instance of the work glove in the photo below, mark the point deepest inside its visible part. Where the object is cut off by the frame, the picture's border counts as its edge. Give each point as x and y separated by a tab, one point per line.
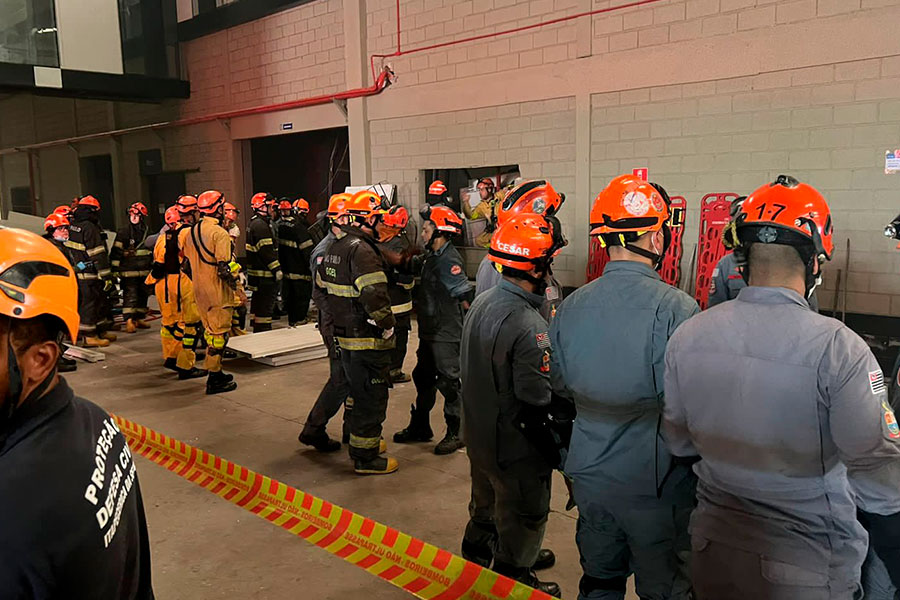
386	334
279	275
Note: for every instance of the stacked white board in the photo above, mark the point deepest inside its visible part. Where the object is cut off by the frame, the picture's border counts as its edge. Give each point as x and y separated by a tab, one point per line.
281	346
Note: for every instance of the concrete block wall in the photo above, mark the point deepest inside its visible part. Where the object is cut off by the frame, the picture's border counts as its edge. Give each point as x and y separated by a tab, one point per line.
829	126
538	136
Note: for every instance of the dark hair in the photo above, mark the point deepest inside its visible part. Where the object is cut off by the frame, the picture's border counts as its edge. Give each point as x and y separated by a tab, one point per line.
25	333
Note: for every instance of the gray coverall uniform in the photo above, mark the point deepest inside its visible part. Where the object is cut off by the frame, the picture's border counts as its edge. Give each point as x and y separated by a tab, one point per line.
505	365
609	339
787	410
337	389
444	286
488	276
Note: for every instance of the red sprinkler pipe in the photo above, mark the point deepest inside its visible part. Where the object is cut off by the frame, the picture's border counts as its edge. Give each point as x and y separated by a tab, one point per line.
384	79
485	36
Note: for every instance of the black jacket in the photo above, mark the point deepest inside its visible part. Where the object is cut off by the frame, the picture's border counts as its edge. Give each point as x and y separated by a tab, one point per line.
129	256
262	253
86	246
294	246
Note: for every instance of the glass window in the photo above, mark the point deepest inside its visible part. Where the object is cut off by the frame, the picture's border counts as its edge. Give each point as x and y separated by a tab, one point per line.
149	35
28	33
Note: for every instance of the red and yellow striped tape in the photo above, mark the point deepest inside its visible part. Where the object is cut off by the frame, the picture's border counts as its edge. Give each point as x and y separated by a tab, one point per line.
421	569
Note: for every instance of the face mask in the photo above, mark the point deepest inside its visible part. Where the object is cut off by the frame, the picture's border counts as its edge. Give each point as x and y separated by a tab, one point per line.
61	234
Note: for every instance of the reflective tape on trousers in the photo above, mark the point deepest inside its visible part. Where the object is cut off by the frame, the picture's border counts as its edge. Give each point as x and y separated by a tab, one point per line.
423	570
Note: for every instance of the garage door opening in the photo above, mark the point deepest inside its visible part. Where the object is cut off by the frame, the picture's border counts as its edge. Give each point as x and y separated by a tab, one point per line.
311	165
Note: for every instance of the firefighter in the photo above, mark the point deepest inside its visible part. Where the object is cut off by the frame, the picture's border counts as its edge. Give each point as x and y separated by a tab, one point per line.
263	266
799	441
336	391
53	541
239	317
181	325
506	381
294	247
486	209
608	340
229	221
437	194
397	250
208	249
92	269
56	230
444	294
529	197
130	261
353	272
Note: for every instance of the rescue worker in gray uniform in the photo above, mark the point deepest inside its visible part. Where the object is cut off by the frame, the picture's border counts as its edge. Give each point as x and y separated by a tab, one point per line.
799	442
336	391
506	381
609	338
445	292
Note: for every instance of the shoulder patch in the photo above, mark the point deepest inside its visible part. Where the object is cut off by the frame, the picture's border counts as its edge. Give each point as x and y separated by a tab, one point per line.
551	292
890	421
876	382
455	270
542	339
545	362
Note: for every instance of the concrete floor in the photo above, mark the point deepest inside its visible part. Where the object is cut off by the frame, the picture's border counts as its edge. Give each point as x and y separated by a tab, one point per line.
205	548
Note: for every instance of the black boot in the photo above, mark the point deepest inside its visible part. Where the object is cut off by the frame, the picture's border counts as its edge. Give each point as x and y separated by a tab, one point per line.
451	442
320	442
192	373
66	365
545	560
418	430
218	383
171	364
527	576
479	555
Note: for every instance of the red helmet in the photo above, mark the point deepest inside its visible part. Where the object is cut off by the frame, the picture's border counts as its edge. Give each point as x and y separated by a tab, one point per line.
526	241
89	201
787	212
55	220
444	219
534	197
63	210
260	199
628	205
301	205
488	184
138	208
284	204
396	217
210	201
172	216
231	211
186	204
437	188
337	205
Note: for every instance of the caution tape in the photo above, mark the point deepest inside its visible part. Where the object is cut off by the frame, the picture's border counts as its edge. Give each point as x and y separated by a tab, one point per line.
417	567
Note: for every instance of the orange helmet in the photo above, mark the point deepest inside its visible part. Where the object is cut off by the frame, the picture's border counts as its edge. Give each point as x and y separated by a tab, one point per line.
628	205
89	201
172	216
36	279
138	208
284	204
260	199
231	211
209	202
526	241
63	210
186	204
397	217
444	219
787	212
365	204
337	205
530	197
437	188
55	220
301	205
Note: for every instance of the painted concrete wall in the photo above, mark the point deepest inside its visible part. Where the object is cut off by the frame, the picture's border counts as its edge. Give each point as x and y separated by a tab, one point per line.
711	95
88	36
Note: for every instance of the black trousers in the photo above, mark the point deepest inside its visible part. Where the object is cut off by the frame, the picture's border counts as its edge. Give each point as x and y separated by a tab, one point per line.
296	294
90	305
134	298
437	368
398	354
262	305
367	372
333	396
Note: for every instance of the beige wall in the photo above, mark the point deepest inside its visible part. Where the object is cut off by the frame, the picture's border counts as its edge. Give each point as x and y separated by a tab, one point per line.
711	95
88	37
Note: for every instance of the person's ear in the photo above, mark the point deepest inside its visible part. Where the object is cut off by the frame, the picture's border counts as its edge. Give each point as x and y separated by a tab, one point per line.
39	360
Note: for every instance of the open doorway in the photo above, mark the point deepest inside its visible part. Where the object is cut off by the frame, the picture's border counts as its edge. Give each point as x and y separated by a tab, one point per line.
311	165
161	191
97	180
